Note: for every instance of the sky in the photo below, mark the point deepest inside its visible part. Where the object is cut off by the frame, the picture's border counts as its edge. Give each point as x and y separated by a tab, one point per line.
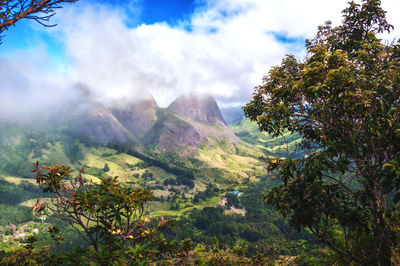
118	51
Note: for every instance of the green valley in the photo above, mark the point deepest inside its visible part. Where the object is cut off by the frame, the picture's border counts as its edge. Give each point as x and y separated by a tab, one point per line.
114	148
185	187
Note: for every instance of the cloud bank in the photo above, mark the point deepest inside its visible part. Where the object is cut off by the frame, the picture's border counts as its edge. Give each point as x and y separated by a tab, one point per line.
226	52
30	92
223	49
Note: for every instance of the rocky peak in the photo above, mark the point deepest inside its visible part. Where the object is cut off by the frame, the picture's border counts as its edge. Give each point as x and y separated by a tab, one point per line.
202	109
138	116
98	123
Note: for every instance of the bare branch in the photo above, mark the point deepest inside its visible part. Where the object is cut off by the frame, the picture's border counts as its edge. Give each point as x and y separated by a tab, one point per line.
40	11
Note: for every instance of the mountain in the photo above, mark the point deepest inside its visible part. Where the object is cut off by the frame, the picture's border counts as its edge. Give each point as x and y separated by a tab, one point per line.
204	114
187	123
203	109
170	133
137	117
99	124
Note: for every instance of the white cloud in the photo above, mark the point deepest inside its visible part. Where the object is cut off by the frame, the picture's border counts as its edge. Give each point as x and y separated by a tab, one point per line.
226	53
118	62
30	91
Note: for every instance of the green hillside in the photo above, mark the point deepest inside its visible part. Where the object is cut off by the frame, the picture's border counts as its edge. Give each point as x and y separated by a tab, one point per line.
284	146
222	162
185	188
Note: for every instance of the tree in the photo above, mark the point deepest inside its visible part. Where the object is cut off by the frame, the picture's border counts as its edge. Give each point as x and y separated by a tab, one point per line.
344	100
106	168
40	11
108	215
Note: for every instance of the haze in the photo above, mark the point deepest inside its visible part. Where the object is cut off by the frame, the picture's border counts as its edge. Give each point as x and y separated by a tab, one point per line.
107	51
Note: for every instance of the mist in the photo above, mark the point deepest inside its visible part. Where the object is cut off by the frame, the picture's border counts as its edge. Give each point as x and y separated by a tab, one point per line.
30	91
224	49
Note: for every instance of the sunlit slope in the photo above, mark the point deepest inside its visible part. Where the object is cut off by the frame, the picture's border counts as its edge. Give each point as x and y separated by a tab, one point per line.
283	145
238	158
219	160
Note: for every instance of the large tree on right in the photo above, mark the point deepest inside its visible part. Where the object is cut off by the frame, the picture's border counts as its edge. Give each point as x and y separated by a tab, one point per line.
344	100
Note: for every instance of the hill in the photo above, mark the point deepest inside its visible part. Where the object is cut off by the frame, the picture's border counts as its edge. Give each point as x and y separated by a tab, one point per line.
192	162
282	146
135	140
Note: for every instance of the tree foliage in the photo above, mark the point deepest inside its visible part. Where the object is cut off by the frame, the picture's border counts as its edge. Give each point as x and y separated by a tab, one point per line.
344	100
108	215
40	11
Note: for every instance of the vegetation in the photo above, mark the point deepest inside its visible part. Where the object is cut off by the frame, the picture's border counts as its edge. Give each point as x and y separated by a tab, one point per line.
343	100
284	145
330	126
14	214
109	216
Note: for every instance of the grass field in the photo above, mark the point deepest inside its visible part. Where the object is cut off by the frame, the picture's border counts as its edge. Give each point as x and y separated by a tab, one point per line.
18	180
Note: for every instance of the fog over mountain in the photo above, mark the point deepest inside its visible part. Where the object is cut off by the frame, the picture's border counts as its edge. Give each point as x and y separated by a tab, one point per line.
200	108
99	124
103	53
138	117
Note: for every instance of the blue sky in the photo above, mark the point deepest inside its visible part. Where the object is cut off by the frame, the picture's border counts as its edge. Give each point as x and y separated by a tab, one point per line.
170	11
123	49
173	12
152	11
22	36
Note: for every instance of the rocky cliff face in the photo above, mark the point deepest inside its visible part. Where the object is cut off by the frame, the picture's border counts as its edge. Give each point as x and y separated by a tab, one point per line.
203	109
138	117
98	123
186	123
170	133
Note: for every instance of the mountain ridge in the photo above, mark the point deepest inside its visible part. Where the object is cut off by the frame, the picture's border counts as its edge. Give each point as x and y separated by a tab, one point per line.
188	122
202	108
